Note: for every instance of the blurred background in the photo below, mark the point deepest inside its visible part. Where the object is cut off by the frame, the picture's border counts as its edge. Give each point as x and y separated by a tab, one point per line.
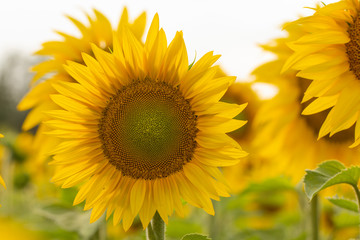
233	29
33	208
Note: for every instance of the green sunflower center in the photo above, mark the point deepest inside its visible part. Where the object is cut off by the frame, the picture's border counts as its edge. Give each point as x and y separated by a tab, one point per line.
148	130
315	121
353	47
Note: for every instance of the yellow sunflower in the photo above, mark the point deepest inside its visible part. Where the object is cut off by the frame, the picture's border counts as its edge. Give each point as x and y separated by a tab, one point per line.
51	71
142	130
328	54
285	137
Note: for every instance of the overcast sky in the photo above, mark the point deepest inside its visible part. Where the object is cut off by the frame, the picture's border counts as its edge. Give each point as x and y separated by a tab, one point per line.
230	28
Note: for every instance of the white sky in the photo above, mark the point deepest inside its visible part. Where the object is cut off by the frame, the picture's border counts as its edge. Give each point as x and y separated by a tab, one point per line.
230	28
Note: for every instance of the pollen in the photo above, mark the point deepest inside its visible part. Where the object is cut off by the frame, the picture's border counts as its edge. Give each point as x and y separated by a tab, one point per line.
353	47
148	130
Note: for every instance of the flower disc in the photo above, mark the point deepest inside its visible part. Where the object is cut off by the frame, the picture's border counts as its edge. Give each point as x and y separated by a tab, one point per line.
353	48
148	130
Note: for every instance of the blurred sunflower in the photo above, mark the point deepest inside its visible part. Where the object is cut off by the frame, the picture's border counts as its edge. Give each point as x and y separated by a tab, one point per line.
238	176
2	182
328	54
282	127
27	170
51	71
14	230
144	130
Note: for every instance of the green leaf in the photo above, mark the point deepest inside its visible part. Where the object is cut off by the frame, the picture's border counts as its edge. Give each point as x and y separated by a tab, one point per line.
195	236
344	203
327	174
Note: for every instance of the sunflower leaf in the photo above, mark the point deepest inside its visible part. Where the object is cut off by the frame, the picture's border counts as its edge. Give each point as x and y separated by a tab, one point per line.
327	174
344	203
195	236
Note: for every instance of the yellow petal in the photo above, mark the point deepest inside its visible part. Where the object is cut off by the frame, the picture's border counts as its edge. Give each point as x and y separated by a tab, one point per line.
347	105
137	195
148	210
324	37
128	219
73	106
153	32
197	176
160	199
320	104
36	96
36	115
138	27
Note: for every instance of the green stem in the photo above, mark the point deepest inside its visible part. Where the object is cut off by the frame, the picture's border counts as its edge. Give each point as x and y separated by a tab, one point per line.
315	218
156	228
150	235
357	192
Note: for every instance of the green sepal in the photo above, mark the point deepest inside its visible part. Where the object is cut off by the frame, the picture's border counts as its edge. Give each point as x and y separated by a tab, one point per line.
191	64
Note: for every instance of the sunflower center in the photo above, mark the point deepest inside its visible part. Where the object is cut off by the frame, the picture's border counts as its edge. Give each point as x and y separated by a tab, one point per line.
353	47
315	121
148	130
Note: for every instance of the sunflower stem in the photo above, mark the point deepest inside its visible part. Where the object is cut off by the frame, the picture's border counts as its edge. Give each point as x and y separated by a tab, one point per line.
315	218
156	228
357	192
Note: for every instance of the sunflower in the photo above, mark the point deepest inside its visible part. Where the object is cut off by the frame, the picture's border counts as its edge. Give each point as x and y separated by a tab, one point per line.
241	174
143	130
283	129
51	71
328	54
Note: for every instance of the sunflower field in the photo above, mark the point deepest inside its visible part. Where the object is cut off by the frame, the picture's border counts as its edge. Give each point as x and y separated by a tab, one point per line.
116	127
